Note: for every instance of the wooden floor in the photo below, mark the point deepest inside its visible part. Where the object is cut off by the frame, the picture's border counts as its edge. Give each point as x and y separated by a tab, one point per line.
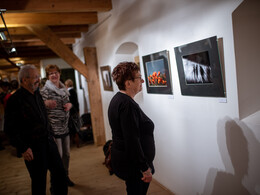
86	170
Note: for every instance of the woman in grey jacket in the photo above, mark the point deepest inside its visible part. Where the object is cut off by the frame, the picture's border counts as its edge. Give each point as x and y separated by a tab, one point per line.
56	99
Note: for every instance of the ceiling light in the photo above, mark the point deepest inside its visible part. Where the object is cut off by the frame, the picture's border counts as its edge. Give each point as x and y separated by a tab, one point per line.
5	38
2	36
19	64
12	50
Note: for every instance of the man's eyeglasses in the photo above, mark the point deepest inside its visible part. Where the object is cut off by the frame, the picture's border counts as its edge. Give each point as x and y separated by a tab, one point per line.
34	77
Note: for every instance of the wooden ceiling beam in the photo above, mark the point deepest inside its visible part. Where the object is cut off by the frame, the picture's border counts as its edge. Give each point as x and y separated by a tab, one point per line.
54	43
66	41
26	60
33	37
12	65
2	72
18	58
4	67
2	60
10	70
24	19
61	16
56	6
7	66
69	28
55	29
47	53
33	49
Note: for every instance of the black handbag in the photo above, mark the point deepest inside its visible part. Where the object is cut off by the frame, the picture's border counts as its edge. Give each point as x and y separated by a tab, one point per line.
107	151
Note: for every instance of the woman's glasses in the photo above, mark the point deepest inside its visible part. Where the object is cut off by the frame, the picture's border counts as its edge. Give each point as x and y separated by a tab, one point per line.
53	73
139	77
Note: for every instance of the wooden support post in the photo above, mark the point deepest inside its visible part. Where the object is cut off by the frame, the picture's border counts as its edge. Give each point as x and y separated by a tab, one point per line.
95	100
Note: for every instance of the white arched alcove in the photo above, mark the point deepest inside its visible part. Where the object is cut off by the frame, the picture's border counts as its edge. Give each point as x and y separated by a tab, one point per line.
128	51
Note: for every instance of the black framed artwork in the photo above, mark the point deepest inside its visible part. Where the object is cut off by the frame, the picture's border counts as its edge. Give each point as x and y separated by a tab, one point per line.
199	68
106	78
157	73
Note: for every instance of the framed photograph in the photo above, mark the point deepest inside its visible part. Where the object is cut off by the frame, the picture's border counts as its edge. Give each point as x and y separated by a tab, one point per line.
106	78
199	68
157	73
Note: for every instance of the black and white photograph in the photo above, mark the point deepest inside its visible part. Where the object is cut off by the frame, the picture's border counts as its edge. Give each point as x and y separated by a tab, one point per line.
106	78
199	68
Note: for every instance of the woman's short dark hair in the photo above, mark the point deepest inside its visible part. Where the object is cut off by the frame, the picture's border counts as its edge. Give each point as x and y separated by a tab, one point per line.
124	71
51	67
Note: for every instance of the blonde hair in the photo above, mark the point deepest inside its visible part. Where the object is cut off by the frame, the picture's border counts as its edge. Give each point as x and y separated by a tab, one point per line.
69	83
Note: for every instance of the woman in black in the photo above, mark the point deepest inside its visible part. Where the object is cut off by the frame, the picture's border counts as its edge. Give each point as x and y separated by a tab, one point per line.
133	148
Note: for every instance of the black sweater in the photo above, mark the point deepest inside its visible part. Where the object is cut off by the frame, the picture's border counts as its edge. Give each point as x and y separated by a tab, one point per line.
133	146
26	120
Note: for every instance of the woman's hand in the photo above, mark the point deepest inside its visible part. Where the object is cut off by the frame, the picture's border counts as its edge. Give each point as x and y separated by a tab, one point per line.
28	155
50	104
147	176
67	106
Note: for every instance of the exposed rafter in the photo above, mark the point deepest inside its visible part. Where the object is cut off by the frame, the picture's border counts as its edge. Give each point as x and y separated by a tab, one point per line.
13	65
56	6
66	19
32	37
69	18
53	42
56	29
38	42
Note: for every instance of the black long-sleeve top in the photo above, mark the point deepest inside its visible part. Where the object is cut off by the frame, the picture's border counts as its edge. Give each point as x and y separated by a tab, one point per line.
26	120
74	99
132	133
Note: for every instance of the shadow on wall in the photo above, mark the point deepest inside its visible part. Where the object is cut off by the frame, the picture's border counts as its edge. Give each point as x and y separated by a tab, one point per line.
239	151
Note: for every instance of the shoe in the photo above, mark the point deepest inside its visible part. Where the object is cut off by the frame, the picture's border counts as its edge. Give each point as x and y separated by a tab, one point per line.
69	182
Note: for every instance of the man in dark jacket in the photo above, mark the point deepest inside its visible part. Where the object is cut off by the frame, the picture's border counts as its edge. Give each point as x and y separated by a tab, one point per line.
26	124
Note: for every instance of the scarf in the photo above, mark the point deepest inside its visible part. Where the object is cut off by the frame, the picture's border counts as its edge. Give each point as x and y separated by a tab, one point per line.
61	91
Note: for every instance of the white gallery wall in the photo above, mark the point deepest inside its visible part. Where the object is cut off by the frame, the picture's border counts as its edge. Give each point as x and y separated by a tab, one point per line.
202	147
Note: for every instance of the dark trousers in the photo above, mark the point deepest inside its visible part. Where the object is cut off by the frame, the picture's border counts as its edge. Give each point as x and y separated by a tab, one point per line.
136	186
46	157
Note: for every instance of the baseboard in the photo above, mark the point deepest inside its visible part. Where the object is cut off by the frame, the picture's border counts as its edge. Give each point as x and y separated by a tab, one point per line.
162	186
